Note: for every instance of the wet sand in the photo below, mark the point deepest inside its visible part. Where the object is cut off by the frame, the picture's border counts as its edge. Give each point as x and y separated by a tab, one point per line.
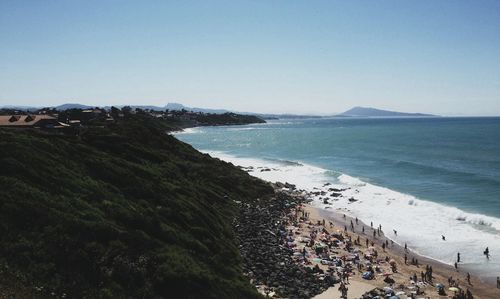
441	272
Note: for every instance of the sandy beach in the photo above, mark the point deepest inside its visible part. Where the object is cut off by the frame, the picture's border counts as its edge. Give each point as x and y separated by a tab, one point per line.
403	286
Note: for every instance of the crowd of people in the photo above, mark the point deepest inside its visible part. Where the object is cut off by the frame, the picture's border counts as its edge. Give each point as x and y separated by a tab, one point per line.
335	255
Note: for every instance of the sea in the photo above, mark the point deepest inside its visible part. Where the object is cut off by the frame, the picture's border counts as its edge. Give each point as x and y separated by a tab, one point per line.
423	177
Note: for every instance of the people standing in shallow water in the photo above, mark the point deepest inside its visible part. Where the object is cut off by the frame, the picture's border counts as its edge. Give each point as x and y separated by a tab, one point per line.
487	253
442	237
458	257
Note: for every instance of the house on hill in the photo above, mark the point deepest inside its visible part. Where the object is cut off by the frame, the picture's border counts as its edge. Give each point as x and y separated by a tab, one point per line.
31	121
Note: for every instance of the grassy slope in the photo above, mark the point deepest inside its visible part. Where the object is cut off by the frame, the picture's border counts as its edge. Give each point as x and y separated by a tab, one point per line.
122	212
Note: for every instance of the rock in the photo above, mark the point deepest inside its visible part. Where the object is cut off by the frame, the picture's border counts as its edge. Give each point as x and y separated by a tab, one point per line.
269	262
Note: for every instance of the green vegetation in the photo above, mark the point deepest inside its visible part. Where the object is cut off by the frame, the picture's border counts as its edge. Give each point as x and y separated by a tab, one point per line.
227	119
124	211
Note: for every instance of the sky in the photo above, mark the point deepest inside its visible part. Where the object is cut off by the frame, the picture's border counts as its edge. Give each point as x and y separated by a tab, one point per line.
266	56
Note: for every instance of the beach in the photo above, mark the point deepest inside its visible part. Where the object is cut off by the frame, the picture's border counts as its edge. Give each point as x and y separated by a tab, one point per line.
421	177
441	272
337	220
391	173
292	249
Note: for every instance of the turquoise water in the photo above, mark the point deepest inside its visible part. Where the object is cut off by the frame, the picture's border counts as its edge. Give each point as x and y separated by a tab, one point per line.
424	177
455	161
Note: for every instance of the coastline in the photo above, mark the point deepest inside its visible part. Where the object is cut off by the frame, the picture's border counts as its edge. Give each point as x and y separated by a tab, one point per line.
420	223
479	287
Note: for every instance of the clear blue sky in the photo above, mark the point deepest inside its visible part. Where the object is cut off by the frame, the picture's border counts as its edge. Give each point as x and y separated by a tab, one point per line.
264	56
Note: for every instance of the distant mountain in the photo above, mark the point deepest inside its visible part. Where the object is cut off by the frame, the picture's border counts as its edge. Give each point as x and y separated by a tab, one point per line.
72	106
372	112
20	108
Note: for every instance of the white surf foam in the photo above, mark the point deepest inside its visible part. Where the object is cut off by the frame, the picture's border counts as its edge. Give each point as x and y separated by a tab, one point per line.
188	131
419	223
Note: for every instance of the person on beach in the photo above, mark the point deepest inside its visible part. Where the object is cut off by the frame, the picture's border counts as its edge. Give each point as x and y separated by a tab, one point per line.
487	253
468	294
371	224
468	278
406	258
456	266
498	282
406	247
356	220
442	237
458	257
395	232
363	229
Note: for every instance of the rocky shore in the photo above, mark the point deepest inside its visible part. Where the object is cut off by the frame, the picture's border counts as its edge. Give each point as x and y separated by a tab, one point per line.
267	263
292	250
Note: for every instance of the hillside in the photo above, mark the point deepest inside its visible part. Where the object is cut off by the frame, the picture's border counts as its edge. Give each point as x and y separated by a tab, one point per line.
124	211
372	112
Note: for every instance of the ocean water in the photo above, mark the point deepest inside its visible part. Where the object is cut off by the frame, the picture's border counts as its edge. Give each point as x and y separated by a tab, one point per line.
424	177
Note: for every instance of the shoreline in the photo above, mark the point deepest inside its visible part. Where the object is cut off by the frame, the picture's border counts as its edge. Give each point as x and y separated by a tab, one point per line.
479	287
336	216
425	241
279	239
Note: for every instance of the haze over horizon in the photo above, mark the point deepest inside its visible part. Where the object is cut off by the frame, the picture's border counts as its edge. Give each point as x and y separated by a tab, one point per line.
314	57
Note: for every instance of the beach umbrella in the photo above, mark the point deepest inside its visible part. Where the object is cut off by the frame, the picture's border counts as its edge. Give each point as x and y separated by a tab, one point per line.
454	289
